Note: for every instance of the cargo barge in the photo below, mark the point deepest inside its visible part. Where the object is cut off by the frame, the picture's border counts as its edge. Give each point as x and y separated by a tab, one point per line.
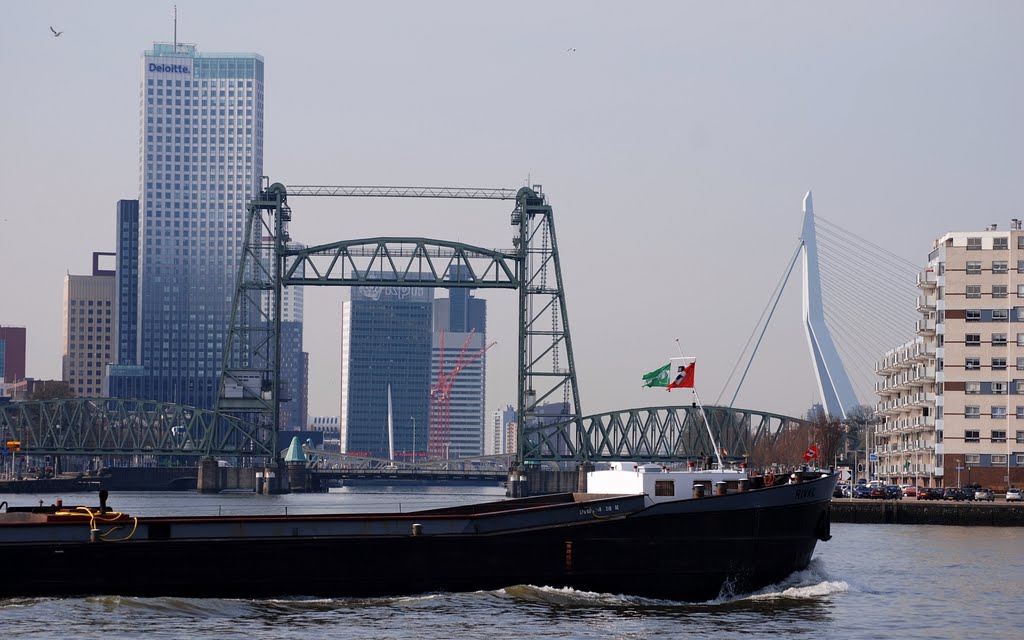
641	530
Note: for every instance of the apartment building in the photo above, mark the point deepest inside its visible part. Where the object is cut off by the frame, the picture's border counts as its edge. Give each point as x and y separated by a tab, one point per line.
952	401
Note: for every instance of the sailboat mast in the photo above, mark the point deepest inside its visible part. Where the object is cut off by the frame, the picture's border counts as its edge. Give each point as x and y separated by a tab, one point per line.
391	429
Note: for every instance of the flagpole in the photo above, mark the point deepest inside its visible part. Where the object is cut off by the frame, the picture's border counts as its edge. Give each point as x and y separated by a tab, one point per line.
718	455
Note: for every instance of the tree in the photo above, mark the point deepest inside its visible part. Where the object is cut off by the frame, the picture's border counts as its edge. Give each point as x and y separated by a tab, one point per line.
51	390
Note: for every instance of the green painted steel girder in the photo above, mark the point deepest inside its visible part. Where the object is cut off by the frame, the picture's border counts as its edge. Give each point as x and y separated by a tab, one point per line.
410	262
649	434
109	426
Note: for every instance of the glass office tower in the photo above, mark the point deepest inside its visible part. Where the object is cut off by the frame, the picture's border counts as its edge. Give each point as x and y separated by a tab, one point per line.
386	344
200	161
126	296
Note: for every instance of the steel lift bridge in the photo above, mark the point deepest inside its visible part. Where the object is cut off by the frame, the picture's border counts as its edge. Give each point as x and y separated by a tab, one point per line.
552	426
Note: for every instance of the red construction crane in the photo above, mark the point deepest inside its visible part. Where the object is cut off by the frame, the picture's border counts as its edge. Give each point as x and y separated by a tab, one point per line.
439	434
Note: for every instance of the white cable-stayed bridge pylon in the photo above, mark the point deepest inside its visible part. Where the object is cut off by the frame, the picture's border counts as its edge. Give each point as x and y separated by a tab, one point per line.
859	301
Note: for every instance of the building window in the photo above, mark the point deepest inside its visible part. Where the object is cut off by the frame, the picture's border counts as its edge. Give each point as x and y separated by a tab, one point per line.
998	435
973	315
972	412
1000	266
998	339
999	413
972	339
972	363
998	458
1020	434
1000	315
1000	243
973	267
664	488
999	388
999	291
973	291
1020	387
999	364
972	458
1020	416
974	244
972	388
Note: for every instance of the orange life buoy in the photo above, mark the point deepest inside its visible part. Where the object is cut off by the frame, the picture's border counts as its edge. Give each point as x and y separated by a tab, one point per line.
769	479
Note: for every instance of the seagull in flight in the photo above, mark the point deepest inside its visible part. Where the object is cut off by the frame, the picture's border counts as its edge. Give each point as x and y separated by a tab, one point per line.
570	50
56	34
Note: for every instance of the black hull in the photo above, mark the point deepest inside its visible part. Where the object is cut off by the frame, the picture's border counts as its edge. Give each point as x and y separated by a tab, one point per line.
686	552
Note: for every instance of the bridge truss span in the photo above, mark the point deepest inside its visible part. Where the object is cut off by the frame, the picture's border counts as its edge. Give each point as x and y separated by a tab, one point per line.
668	434
108	426
400	261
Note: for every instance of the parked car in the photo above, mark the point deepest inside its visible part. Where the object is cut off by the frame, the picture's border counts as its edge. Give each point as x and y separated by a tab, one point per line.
893	492
909	490
839	491
861	491
967	493
936	493
878	492
984	493
1014	495
952	493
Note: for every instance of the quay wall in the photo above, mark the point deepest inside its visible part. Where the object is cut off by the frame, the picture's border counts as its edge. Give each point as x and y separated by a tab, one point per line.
986	514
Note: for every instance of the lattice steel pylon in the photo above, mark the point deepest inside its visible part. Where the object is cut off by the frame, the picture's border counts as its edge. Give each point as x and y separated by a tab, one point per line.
251	372
545	430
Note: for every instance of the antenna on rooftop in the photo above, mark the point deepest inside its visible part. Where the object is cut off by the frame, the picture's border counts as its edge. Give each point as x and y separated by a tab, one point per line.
175	28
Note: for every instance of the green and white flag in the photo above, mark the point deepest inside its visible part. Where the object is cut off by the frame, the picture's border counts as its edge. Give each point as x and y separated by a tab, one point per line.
658	377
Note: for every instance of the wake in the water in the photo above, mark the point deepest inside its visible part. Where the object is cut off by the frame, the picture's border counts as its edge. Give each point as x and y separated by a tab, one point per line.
811	583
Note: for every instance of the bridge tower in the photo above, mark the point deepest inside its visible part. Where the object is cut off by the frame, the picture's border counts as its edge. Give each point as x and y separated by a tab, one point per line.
833	383
551	421
249	381
548	392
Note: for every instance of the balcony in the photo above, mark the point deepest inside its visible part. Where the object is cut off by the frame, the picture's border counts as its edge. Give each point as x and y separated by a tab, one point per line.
903	357
926	303
926	327
926	279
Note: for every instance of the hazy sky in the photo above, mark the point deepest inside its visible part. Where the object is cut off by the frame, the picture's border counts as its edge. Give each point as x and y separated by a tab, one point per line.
675	143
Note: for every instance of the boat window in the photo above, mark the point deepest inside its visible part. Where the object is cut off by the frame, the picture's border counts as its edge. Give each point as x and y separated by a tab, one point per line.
665	488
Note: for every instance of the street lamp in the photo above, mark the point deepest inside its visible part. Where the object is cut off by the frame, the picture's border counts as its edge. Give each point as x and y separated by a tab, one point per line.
958	468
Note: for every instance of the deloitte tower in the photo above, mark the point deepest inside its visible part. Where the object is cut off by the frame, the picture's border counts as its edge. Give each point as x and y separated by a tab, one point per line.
200	162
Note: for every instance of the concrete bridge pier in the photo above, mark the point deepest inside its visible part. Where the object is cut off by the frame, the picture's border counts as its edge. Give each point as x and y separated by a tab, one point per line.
207	481
535	480
214	478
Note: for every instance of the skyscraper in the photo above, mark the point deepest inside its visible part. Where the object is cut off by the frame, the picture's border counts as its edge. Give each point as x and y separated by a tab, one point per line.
200	161
457	415
294	362
386	344
126	296
88	344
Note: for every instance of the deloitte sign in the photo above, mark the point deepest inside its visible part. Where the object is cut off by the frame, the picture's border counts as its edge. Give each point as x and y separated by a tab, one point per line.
168	68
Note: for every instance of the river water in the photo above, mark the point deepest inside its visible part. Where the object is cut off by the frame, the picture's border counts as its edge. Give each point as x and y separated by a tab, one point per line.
869	581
